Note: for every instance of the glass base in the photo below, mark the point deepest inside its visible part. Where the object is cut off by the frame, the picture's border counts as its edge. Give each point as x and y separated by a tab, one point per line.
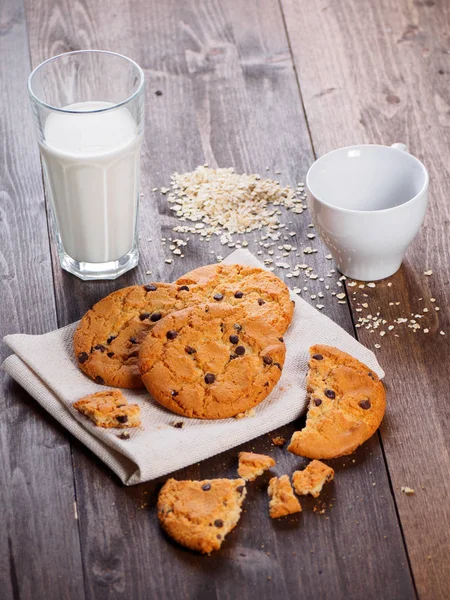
107	270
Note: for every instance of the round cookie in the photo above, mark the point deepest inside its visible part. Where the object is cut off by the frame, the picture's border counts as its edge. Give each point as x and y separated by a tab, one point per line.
211	361
260	292
199	514
347	405
107	340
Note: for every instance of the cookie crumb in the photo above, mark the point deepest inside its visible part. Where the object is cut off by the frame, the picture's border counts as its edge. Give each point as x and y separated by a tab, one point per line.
124	435
278	441
177	424
407	490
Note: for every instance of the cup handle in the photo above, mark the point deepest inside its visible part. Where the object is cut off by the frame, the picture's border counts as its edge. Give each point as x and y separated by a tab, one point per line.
402	147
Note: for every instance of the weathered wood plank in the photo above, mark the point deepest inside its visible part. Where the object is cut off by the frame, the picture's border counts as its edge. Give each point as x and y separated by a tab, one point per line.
383	78
229	98
39	540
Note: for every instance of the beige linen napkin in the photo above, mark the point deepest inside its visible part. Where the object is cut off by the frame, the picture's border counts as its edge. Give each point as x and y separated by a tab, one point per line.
46	367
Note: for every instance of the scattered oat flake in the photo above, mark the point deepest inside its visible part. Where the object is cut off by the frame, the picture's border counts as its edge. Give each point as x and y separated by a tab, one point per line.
371	285
429	272
432	299
169	261
340	296
442	332
407	490
328	257
377	346
319	306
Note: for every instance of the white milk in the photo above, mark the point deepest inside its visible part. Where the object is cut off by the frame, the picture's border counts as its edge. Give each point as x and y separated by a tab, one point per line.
91	164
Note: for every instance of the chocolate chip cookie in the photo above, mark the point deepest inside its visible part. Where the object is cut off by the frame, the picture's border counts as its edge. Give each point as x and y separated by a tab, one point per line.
259	292
211	361
282	500
253	465
109	408
107	340
312	479
347	404
199	514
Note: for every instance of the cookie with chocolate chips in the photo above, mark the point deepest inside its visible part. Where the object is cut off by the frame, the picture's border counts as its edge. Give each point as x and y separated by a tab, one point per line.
199	514
211	361
109	408
259	292
347	405
106	342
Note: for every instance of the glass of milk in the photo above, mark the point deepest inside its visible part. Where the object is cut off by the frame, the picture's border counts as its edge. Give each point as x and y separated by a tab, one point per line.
88	109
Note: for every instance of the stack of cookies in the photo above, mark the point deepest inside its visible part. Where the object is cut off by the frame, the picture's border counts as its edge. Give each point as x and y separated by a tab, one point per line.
209	346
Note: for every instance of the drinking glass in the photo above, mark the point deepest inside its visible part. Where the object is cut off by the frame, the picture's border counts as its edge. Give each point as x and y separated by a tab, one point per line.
88	109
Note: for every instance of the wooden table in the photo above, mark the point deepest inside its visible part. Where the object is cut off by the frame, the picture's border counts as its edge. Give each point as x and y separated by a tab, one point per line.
249	84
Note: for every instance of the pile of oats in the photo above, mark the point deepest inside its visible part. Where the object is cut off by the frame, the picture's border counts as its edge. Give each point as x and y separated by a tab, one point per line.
226	201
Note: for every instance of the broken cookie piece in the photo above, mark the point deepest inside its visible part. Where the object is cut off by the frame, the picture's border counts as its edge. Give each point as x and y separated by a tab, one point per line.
199	514
109	409
253	465
312	479
347	404
282	500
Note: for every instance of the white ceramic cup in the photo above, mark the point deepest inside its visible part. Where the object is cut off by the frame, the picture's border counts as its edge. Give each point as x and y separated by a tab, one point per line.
368	202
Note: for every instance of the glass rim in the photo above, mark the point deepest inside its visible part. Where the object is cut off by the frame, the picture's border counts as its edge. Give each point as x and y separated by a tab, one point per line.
85	112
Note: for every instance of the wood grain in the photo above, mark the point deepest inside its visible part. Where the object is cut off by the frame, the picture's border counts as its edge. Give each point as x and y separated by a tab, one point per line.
229	97
383	78
39	541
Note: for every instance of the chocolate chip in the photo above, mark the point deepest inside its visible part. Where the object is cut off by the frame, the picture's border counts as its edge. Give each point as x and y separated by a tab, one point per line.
240	350
218	523
206	487
210	378
158	93
100	380
174	393
155	317
317	357
190	350
240	489
218	536
330	394
281	340
82	357
178	424
133	340
124	435
238	294
100	347
111	338
317	401
266	384
371	375
233	356
122	418
218	297
237	327
171	334
144	316
261	301
234	339
365	404
183	287
110	354
150	287
267	360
